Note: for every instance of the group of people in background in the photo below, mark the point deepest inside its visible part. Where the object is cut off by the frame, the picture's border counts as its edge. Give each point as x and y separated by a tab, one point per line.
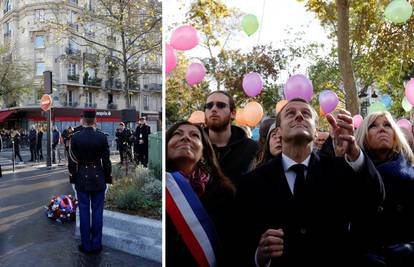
138	140
298	197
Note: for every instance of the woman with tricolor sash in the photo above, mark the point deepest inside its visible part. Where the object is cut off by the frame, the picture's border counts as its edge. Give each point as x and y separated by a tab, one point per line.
199	200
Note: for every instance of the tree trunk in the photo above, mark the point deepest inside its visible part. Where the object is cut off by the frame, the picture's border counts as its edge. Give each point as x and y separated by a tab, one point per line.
344	57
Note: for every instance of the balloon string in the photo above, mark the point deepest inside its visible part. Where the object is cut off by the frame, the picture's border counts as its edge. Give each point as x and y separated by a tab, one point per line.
261	21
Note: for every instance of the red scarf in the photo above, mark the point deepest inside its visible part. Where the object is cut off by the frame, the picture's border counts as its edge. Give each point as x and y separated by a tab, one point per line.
198	180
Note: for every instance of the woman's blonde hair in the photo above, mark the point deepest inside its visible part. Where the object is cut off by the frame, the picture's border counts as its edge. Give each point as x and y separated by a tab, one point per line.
400	144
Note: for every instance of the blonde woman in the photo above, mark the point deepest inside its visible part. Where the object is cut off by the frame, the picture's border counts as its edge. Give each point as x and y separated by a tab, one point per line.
391	240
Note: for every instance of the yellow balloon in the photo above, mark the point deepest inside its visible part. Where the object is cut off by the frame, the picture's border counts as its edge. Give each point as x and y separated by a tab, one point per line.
280	105
253	113
197	117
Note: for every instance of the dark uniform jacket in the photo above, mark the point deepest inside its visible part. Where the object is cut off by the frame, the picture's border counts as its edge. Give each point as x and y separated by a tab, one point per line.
236	157
32	137
89	163
39	139
141	133
317	231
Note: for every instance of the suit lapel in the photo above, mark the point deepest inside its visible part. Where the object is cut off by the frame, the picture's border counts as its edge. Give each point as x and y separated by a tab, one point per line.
279	180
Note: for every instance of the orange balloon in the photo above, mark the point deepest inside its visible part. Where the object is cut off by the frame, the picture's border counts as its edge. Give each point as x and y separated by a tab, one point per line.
240	117
321	112
197	117
280	105
253	113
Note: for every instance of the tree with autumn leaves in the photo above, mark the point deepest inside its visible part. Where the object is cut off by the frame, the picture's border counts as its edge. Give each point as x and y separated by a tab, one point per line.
370	50
127	33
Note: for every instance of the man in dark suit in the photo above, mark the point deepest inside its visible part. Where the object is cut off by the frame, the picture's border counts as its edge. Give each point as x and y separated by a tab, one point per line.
90	173
141	142
302	209
33	142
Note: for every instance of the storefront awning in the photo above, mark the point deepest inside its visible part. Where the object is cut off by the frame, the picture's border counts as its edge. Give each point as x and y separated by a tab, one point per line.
5	114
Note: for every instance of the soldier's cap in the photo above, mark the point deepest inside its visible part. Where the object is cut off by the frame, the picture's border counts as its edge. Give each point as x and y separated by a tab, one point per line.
89	113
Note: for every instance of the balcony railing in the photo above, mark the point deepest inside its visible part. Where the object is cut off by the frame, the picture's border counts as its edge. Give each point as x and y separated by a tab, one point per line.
70	104
73	77
112	106
134	87
155	86
90	105
113	84
94	82
72	51
90	56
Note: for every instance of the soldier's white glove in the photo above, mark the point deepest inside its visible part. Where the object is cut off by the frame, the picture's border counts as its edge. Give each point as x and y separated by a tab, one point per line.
74	190
107	188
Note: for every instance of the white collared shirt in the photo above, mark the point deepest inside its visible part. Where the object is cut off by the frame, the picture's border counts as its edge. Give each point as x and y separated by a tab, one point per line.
290	174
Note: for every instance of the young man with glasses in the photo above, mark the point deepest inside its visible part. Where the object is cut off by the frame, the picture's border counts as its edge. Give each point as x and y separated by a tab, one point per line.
234	150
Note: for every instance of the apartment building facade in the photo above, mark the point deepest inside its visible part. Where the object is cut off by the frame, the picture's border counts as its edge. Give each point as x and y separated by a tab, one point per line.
82	76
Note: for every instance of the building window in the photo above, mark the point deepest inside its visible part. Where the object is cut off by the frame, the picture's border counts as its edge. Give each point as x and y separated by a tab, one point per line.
40	41
88	101
146	102
110	98
70	98
7	29
7	6
73	69
89	5
74	1
73	47
40	68
40	14
72	20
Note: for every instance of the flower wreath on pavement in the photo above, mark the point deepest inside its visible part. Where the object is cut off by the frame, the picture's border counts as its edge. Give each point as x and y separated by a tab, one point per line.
62	208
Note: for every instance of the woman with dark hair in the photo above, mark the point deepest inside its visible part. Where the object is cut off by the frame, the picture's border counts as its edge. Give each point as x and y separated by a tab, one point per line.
271	147
391	235
192	167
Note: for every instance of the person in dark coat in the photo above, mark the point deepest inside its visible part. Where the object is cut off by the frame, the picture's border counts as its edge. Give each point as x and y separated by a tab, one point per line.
123	135
390	239
39	144
299	209
16	144
33	143
234	150
141	142
90	173
189	152
55	142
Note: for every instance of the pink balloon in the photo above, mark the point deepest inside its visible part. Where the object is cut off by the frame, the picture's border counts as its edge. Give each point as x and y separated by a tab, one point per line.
328	101
170	59
357	120
184	37
409	91
405	123
298	86
195	73
252	84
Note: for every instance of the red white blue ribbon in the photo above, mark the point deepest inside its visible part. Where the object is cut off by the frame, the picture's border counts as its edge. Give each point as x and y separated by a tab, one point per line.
191	219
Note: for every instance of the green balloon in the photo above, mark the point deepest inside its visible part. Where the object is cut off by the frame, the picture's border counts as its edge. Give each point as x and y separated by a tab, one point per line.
250	24
377	106
406	105
398	11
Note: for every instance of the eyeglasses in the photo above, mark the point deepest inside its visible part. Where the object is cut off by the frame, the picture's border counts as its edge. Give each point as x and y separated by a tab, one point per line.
219	105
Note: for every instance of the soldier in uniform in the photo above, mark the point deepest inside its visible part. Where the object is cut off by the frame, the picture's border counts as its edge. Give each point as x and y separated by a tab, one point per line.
90	174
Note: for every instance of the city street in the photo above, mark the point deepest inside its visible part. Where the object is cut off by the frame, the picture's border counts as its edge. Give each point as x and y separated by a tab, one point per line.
29	238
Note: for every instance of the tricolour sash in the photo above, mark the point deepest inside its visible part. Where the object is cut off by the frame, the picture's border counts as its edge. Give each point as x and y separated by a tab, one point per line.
191	219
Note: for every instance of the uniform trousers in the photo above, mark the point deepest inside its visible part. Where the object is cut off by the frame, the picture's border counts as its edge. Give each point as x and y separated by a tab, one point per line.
91	234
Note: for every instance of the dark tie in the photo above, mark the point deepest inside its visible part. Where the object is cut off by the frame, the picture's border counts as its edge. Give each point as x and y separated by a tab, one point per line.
299	187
